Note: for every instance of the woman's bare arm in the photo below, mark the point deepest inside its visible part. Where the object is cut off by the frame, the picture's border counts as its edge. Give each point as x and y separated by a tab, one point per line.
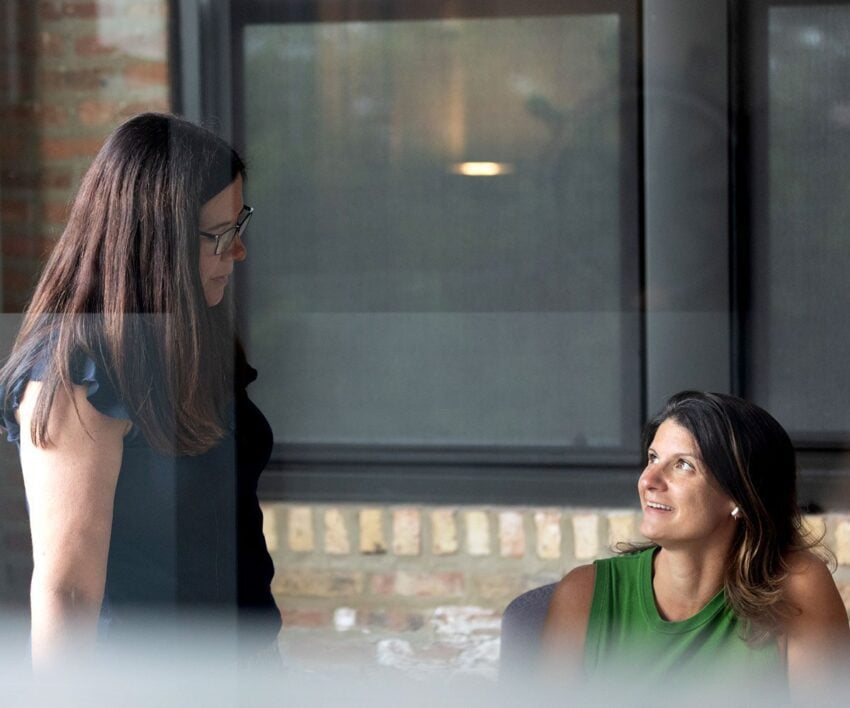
565	627
70	487
817	630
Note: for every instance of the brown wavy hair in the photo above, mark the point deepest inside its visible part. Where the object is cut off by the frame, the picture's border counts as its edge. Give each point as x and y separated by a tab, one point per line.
122	286
751	458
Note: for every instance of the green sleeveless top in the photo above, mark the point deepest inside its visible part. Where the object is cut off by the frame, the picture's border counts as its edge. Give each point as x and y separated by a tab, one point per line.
626	634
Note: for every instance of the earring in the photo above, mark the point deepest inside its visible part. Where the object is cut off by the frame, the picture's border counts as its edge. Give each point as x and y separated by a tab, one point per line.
736	512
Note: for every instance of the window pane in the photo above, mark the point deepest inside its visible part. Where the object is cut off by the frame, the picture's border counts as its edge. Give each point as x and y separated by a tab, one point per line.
801	253
398	299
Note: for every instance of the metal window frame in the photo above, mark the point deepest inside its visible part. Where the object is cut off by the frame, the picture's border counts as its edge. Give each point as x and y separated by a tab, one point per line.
822	460
696	342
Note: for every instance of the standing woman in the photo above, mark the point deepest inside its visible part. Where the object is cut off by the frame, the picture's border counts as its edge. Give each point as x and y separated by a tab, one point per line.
727	589
125	392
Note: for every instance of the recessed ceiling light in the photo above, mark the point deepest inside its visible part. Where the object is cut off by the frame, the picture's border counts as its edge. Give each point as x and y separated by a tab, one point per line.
482	169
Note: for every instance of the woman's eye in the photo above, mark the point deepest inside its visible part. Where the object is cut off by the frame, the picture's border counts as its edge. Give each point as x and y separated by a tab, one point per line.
685	465
652	458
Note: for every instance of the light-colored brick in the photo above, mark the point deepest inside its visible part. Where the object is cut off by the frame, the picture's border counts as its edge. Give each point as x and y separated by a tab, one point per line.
585	536
477	533
302	582
92	112
90	45
511	534
145	73
337	542
269	526
146	10
311	619
621	528
444	539
64	148
548	525
299	529
842	542
372	532
83	10
407	532
411	584
498	589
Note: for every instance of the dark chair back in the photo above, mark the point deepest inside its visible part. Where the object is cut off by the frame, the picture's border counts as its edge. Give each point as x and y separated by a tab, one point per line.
522	629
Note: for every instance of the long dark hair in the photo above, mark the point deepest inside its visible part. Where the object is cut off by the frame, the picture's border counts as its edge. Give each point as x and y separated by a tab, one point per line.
751	458
122	286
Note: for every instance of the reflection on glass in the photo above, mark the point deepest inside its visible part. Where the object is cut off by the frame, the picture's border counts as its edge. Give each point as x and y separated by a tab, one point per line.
801	254
482	169
400	299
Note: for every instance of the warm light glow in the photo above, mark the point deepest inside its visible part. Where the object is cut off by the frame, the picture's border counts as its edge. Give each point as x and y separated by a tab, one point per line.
482	169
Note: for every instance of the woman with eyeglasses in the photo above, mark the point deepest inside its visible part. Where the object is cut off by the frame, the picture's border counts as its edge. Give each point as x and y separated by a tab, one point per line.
727	595
126	394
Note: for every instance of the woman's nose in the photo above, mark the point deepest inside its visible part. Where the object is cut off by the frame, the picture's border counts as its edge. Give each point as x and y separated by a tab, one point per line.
237	250
652	477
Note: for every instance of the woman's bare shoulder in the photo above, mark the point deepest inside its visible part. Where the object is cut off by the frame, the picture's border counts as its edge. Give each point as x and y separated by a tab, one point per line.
572	596
810	589
565	629
577	584
807	573
816	632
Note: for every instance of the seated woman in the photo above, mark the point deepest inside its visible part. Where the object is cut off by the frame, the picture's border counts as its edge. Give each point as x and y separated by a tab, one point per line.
728	584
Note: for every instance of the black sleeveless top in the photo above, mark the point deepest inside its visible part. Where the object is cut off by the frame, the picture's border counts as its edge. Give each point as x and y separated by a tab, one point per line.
187	538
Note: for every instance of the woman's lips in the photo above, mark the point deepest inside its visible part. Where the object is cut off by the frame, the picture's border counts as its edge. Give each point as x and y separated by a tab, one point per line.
658	507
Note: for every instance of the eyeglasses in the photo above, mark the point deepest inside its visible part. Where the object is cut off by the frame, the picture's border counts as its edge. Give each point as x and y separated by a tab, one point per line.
225	239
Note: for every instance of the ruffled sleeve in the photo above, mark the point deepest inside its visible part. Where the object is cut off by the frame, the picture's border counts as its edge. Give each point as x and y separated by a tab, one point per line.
13	430
101	391
85	371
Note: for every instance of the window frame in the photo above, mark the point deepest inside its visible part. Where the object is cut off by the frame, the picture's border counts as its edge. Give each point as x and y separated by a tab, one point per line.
752	96
821	459
458	473
686	344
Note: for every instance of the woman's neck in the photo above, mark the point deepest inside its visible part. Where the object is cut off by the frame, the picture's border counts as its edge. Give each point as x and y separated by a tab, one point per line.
685	580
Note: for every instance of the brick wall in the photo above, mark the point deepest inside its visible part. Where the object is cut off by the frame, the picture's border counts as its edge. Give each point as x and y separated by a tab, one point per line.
435	572
70	71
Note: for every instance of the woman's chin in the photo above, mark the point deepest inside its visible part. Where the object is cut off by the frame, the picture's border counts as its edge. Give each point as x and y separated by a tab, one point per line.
648	531
213	295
